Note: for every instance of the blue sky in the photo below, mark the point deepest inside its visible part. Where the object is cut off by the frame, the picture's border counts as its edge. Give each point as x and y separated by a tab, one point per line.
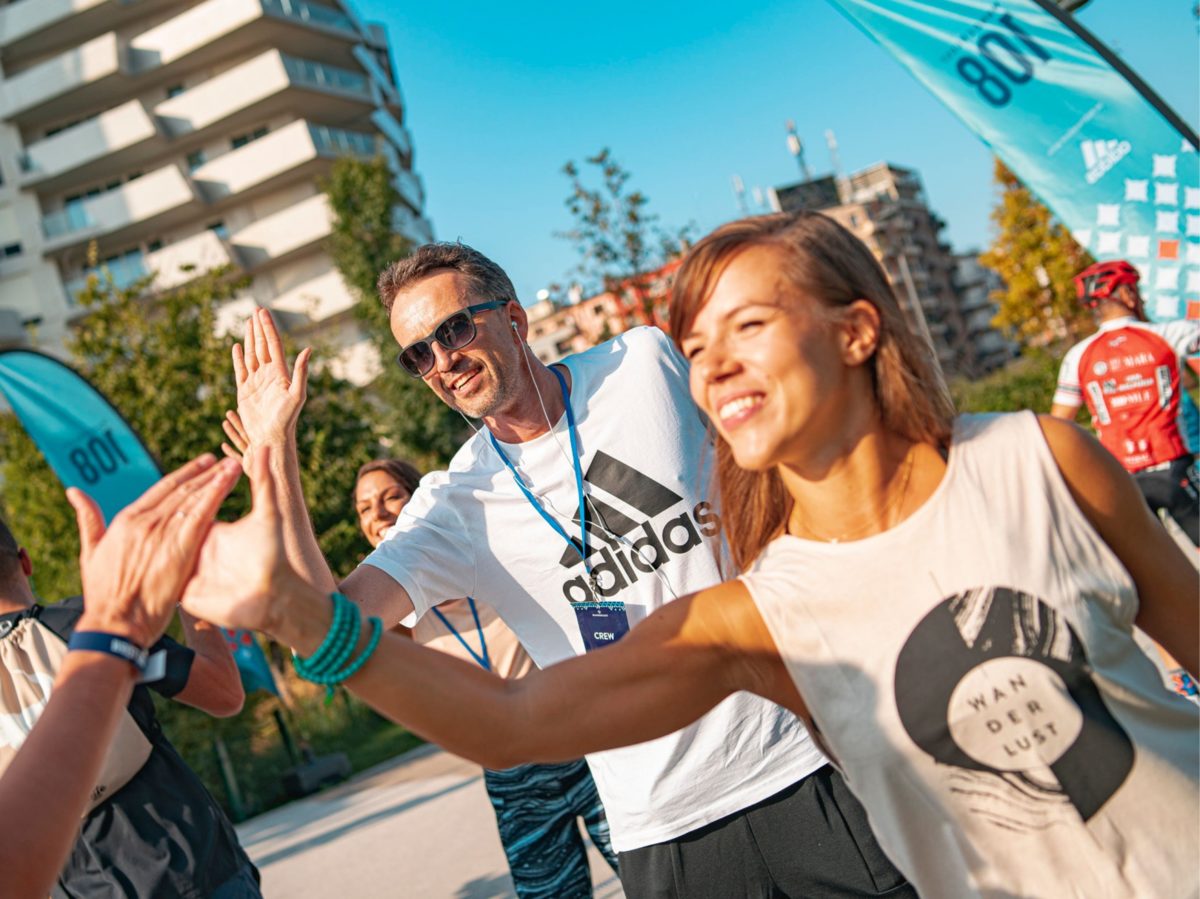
500	96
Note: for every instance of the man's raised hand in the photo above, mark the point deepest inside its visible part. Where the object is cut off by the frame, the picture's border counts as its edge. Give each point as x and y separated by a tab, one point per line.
242	565
269	395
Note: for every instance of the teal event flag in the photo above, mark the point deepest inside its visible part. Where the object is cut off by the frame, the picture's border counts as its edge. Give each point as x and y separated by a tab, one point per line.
86	441
1096	144
89	445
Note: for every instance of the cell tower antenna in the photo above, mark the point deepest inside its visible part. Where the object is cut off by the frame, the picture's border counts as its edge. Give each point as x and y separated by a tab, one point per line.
835	160
739	191
796	148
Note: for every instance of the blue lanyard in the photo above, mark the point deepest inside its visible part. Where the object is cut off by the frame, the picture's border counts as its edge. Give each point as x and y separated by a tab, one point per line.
582	550
483	660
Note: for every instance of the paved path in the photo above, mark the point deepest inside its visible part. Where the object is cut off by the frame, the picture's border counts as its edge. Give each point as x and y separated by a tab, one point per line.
418	826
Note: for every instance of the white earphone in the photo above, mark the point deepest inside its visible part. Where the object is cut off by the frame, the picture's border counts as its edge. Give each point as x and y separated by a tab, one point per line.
514	327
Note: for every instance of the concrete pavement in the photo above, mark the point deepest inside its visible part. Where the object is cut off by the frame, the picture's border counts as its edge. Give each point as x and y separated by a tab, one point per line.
418	826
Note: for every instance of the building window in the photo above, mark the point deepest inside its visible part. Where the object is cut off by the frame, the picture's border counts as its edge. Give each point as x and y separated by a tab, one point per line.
195	159
174	90
219	229
242	139
13	249
154	246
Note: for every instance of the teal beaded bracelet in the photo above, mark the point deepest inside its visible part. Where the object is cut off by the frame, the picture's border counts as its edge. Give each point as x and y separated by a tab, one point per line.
338	644
331	663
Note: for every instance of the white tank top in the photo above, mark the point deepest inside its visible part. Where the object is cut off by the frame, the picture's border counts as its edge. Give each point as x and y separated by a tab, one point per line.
973	672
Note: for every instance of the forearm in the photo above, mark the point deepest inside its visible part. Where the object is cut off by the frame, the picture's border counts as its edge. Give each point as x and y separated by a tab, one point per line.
1174	625
300	540
214	683
60	759
207	641
647	686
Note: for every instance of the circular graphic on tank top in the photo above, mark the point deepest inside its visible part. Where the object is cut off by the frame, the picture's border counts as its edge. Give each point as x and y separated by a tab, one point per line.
995	684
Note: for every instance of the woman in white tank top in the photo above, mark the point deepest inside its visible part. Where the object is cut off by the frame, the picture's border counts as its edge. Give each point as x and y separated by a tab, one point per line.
948	602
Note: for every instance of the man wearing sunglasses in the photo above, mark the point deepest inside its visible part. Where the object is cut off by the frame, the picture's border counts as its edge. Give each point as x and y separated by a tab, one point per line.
578	508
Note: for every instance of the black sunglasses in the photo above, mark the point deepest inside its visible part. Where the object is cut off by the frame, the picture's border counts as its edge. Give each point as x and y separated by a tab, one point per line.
453	332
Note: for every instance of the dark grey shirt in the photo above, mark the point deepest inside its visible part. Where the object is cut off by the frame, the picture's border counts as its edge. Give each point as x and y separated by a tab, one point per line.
162	834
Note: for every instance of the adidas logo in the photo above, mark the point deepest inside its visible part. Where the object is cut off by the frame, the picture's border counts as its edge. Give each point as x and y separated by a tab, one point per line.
629	548
1101	155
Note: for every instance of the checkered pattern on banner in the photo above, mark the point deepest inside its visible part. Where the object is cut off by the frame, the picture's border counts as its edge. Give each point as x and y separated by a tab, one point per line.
1152	220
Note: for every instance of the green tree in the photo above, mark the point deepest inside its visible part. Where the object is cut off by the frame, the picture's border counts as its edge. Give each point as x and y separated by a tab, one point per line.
1036	257
158	358
1025	383
364	242
620	244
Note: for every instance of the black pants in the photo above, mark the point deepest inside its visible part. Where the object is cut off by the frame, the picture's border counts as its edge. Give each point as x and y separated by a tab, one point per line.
1174	489
810	841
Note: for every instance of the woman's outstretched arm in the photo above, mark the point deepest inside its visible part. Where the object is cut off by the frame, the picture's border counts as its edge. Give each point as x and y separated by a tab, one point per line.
667	672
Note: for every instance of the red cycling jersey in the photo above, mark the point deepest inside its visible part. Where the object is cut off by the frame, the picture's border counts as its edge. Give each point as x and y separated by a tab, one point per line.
1129	378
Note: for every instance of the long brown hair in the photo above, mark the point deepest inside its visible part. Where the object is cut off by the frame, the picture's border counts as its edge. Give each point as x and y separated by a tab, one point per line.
825	261
401	471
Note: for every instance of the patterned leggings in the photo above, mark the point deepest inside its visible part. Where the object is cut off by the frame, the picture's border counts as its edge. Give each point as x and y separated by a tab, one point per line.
536	807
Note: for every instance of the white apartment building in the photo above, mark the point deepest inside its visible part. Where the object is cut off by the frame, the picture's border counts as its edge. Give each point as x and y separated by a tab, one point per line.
189	133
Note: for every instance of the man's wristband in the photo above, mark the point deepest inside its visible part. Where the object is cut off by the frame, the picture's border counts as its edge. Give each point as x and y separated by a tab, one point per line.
110	644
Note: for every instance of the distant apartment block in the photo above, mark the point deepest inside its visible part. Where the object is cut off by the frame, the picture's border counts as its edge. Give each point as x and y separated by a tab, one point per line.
975	285
885	206
186	134
556	329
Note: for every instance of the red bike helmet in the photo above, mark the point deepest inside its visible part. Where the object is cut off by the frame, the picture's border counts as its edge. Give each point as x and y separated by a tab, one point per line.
1099	282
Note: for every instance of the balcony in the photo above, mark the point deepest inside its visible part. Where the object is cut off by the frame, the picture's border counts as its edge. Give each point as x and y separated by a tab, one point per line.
311	14
284	234
172	266
295	152
124	271
386	92
180	262
83	79
396	134
408	184
112	142
327	78
216	30
411	225
32	28
133	211
318	298
340	142
261	88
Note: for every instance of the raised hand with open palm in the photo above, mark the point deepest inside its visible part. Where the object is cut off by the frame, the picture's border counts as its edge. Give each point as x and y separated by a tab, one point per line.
269	395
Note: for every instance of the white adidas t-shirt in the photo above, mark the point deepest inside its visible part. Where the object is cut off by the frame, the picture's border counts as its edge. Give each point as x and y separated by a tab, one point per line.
470	531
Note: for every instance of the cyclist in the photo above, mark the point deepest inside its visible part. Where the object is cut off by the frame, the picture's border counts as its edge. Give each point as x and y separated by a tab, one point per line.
1131	373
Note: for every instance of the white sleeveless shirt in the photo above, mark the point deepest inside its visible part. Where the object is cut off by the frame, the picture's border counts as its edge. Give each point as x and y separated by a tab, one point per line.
973	672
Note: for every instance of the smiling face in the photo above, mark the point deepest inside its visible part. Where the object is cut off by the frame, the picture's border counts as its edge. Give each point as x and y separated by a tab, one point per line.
478	379
378	500
769	366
